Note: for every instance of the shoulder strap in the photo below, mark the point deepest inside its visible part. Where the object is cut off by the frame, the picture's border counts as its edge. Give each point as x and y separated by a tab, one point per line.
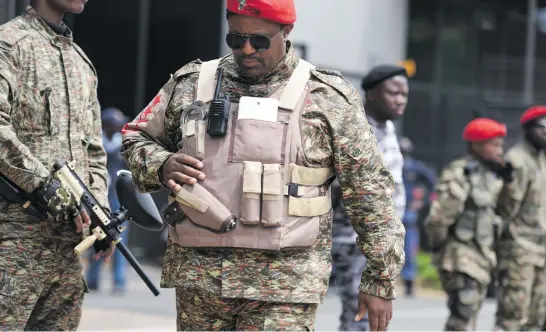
293	90
205	83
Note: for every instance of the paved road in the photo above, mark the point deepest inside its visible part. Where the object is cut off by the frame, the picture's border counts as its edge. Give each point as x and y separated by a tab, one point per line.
140	310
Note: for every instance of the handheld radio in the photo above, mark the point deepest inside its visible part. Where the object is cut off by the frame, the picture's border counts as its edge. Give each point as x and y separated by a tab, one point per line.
219	108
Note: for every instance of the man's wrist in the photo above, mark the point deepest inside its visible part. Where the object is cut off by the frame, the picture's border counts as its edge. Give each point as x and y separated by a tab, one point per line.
160	171
376	287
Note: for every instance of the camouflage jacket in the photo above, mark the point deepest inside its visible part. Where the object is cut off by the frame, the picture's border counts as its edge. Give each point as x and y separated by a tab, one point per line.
387	140
48	112
522	206
334	133
462	225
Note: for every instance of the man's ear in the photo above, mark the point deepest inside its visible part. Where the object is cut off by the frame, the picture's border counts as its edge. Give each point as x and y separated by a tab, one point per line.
286	30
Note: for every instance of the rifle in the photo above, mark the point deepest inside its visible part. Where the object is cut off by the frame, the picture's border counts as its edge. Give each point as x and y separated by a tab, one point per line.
106	226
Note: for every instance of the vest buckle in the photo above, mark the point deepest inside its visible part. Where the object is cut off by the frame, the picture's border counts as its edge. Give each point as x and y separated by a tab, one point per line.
293	190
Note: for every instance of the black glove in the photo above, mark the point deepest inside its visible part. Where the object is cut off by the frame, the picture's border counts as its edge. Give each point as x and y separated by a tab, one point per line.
506	172
102	245
51	197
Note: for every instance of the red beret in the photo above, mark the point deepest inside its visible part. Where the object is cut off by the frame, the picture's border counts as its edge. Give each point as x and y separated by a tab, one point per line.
532	113
482	129
279	11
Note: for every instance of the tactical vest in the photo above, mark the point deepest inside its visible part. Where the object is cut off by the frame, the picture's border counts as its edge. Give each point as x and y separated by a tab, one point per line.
256	175
479	221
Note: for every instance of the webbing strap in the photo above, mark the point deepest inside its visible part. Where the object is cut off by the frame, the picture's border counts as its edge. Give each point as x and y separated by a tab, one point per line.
206	81
293	90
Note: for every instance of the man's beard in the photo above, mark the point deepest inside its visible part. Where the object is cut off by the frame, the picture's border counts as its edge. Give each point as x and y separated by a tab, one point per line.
537	142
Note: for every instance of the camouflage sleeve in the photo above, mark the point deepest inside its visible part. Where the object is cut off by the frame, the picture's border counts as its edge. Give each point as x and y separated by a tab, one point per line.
451	191
16	161
98	179
145	147
149	140
366	185
513	193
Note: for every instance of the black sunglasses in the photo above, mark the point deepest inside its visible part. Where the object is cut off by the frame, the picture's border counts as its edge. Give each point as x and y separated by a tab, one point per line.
260	43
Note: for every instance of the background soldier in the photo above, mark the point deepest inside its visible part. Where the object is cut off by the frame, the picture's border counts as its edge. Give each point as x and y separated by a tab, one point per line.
462	224
48	112
251	288
522	248
386	90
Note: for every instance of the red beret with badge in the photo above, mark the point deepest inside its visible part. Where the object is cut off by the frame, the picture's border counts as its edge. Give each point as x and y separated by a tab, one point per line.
483	129
279	11
532	114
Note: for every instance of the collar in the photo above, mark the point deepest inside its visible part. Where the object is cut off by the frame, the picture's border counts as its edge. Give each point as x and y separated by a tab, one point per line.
40	25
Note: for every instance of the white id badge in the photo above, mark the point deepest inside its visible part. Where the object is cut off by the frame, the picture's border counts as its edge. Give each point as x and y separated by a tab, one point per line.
255	108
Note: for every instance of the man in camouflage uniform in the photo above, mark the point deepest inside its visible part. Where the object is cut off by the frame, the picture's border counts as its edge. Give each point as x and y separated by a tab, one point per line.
462	226
249	289
386	90
48	112
522	247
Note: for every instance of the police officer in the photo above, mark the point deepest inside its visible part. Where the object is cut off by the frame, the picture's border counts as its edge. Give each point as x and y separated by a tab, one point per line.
49	112
418	179
462	224
522	249
264	163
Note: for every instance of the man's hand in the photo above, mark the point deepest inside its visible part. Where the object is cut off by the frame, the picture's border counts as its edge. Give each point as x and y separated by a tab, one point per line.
181	169
106	254
379	311
81	219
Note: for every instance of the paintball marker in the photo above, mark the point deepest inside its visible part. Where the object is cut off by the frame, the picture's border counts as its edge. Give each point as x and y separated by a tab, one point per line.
106	226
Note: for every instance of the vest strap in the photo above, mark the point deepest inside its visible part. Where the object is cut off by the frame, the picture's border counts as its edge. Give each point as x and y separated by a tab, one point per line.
292	92
309	176
206	81
309	206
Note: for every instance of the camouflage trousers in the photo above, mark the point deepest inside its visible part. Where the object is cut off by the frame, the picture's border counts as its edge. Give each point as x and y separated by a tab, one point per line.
465	297
41	285
521	297
349	262
201	310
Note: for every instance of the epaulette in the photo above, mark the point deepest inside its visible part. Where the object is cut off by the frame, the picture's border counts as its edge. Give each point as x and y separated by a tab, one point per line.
13	31
336	80
190	68
329	72
454	170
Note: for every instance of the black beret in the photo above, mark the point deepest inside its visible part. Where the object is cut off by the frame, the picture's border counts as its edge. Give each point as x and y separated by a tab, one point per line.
378	74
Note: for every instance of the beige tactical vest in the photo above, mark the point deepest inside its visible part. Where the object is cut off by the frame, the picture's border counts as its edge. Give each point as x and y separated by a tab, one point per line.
257	173
478	221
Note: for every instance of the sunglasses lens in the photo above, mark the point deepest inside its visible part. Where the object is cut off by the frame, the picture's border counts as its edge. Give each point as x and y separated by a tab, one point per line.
234	41
260	43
